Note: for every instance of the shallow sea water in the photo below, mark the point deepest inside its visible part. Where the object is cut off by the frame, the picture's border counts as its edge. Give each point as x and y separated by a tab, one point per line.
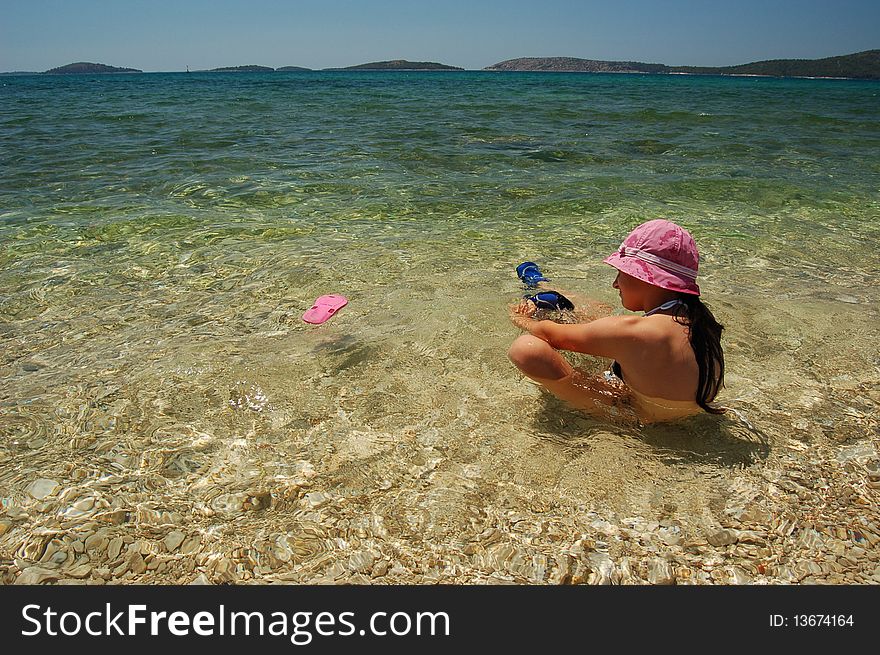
161	236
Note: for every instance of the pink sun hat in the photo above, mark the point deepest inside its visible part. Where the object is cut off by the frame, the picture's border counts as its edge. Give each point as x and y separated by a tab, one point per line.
661	253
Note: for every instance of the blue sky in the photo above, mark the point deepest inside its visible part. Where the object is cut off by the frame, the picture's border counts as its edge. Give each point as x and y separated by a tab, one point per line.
169	35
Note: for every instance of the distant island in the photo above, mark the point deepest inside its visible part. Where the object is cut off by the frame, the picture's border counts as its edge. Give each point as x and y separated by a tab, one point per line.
398	65
81	67
394	65
861	65
241	69
255	69
575	65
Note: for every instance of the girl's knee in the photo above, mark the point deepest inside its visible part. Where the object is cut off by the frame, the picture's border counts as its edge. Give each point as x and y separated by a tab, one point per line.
526	348
536	358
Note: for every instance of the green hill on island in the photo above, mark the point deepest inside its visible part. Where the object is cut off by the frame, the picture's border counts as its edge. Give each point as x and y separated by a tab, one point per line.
398	65
861	65
575	65
288	69
86	67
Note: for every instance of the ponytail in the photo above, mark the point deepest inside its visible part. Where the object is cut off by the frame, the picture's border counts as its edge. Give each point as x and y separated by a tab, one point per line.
704	333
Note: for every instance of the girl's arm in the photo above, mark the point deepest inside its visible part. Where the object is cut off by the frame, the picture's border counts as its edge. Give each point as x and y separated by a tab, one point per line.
614	337
586	309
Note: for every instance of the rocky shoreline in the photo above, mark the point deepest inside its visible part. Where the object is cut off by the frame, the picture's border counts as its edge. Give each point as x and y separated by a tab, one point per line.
792	519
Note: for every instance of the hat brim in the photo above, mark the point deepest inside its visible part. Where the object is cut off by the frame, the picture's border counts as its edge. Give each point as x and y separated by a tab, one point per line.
653	274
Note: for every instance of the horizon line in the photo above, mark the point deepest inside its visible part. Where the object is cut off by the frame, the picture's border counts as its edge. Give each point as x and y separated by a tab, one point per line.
342	68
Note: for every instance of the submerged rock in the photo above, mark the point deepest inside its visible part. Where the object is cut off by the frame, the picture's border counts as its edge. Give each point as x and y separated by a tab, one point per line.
660	572
37	575
173	540
722	538
42	488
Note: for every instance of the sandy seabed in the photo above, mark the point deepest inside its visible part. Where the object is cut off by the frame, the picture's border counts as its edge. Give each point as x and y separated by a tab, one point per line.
228	442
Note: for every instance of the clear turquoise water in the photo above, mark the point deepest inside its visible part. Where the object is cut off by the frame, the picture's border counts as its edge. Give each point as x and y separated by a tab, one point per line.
161	235
477	163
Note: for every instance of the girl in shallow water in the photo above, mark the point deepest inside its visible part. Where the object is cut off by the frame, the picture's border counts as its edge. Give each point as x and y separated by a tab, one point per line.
667	364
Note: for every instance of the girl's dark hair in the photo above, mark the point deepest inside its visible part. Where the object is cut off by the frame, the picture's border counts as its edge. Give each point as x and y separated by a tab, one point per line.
704	333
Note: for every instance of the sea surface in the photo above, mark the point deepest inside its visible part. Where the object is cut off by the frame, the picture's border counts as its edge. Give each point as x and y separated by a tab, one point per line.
161	236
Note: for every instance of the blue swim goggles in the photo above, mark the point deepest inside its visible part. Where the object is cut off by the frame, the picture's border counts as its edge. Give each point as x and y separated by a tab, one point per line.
551	300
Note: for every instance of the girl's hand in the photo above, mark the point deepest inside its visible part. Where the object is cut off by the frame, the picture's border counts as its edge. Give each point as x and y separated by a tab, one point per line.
524	308
521	314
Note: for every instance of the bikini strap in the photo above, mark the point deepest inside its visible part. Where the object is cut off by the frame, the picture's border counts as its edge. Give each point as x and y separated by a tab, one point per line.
669	304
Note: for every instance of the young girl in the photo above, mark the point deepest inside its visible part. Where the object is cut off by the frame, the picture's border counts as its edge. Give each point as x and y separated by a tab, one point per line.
668	364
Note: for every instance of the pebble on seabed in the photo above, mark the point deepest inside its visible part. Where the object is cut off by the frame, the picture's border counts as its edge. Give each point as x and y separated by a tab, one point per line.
42	488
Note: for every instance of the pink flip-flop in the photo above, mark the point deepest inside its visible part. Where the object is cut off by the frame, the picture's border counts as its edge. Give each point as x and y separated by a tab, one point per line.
324	308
